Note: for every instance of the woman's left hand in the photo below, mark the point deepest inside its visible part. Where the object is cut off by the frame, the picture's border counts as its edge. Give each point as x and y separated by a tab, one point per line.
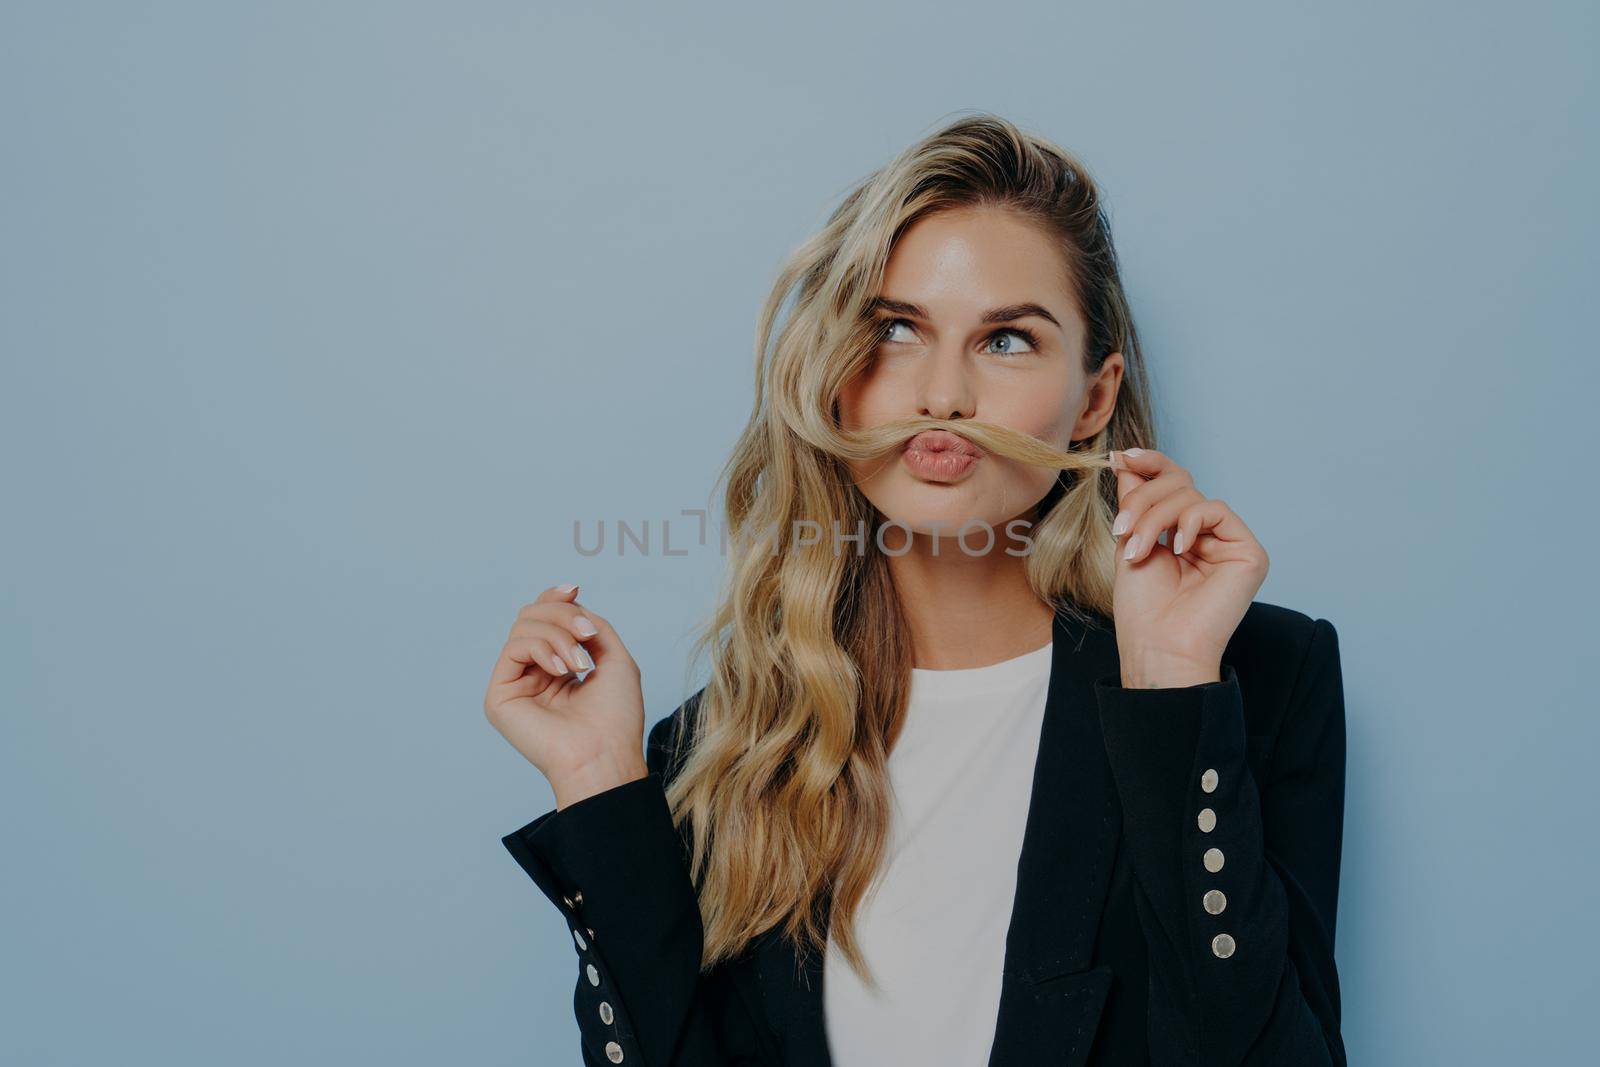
1176	605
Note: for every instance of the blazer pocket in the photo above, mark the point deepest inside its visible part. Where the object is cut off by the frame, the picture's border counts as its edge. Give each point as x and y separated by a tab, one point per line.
1050	1020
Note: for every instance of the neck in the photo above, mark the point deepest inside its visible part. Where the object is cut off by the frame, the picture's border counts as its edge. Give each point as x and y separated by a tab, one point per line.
967	611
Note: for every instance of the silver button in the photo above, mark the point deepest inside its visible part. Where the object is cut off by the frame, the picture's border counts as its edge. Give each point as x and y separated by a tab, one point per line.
594	975
613	1052
1222	946
591	932
1214	901
1208	780
579	939
1213	860
1207	820
605	1013
566	900
577	899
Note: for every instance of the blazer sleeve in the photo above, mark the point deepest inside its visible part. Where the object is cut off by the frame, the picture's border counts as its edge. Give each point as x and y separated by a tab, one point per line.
1239	877
617	869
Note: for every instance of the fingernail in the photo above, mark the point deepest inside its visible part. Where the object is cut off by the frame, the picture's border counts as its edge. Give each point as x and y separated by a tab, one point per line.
1120	527
584	662
556	666
584	627
1133	546
1177	543
1132	451
565	589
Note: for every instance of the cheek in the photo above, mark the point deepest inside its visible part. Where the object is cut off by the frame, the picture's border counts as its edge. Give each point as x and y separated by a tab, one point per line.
1049	411
859	402
849	405
1043	414
853	416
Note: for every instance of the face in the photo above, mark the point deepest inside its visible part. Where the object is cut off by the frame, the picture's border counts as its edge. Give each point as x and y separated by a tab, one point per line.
957	343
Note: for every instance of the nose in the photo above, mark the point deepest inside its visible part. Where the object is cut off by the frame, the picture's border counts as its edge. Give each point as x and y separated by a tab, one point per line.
945	389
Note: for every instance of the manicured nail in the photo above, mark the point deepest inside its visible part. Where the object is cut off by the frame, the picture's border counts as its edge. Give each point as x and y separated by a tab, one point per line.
565	589
1133	546
1132	451
1177	543
584	662
1120	527
584	627
556	666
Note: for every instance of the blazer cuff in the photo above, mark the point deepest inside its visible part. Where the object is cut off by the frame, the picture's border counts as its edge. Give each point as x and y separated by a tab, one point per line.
1152	737
594	856
617	867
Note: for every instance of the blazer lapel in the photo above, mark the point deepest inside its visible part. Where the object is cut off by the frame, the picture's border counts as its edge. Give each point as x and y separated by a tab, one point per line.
1051	999
1050	996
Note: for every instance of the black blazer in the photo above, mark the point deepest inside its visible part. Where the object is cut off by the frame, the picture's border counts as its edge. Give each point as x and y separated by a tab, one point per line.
1125	946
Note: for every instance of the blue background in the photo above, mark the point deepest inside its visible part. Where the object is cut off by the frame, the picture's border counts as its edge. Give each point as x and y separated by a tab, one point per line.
322	323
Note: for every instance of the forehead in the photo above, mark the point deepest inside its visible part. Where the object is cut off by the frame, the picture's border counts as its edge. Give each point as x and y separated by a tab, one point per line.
961	262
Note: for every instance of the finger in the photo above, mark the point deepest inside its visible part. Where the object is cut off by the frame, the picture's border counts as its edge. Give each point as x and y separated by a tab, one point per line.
1128	481
1146	461
1138	501
557	605
1138	495
1195	520
552	604
556	594
1136	487
1204	550
1190	532
591	628
1136	466
1161	514
522	651
532	684
574	618
1186	532
1219	534
561	638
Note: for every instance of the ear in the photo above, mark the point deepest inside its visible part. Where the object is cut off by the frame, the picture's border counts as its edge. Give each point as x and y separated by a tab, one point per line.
1100	401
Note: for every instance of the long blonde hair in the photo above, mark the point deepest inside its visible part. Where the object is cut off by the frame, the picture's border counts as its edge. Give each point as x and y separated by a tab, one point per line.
783	780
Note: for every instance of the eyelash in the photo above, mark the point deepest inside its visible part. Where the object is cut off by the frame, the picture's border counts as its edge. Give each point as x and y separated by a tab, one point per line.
1026	334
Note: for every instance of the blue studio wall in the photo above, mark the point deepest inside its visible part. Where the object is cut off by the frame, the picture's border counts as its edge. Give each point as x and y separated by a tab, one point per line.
323	323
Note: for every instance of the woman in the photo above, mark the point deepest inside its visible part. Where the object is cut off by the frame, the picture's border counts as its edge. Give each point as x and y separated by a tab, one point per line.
986	771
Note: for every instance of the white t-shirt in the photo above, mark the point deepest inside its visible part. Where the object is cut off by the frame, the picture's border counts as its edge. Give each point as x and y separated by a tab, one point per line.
933	927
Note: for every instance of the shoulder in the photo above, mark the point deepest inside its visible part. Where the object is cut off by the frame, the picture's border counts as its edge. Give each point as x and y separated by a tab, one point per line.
1273	637
1287	662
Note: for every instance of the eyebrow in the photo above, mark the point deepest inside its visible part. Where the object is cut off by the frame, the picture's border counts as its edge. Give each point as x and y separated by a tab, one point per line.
1008	313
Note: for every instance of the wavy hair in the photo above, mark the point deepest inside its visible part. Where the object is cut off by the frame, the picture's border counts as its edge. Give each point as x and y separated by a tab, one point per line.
783	782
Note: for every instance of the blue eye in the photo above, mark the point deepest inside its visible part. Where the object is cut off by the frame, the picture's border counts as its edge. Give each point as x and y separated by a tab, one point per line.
1032	341
1028	337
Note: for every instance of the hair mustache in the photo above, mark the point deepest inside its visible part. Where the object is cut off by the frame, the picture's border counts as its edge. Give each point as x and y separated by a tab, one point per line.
873	441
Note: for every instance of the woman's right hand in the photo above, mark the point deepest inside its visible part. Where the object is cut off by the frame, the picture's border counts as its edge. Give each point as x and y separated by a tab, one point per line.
585	736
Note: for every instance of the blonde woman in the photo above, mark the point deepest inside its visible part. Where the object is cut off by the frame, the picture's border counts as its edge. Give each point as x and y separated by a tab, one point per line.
998	762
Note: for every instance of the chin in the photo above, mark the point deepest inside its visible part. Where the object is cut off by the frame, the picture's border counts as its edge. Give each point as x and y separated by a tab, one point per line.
942	509
928	508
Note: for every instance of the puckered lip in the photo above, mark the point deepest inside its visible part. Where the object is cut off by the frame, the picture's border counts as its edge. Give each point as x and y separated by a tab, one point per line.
942	441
